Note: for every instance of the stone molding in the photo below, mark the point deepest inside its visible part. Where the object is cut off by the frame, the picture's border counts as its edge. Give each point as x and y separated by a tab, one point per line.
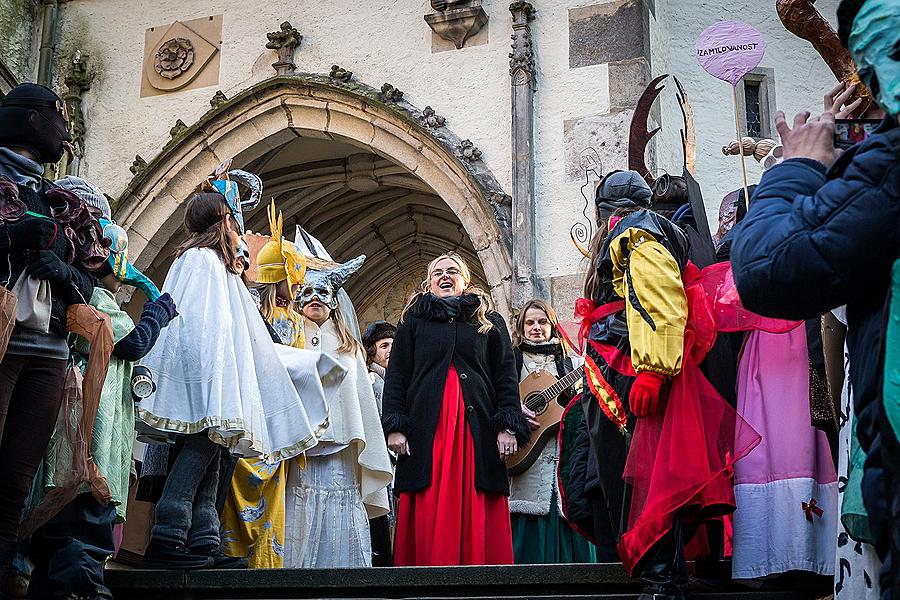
521	59
456	21
315	105
77	82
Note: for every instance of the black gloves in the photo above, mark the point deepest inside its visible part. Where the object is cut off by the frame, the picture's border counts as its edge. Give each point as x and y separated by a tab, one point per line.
31	233
50	267
166	302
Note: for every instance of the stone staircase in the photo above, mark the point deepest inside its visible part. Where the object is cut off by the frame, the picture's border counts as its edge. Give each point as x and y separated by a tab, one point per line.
538	582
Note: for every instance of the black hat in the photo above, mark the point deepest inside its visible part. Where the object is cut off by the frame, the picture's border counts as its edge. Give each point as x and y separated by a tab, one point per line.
33	117
376	332
846	13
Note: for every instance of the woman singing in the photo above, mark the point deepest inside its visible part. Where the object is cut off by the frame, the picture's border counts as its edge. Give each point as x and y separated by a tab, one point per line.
452	414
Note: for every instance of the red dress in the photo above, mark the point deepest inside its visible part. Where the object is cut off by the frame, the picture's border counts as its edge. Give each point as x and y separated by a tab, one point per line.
450	522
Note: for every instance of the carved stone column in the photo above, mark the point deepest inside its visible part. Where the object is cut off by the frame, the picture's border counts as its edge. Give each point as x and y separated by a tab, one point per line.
284	41
522	75
77	83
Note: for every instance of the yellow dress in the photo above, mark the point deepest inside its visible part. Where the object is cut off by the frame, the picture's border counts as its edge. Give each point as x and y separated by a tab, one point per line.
253	523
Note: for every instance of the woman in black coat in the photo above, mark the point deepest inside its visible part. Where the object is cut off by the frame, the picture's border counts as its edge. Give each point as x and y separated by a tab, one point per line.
452	414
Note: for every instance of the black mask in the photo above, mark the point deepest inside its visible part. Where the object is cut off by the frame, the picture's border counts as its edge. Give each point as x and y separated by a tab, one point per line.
34	118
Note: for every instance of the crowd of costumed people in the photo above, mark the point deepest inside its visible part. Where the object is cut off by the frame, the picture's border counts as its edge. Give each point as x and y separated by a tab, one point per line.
723	408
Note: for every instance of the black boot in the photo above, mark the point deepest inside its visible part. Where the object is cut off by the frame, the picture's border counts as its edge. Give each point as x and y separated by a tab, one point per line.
160	555
664	570
220	559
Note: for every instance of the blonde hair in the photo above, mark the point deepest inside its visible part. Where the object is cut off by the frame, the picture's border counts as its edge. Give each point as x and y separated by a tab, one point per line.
485	304
268	292
349	343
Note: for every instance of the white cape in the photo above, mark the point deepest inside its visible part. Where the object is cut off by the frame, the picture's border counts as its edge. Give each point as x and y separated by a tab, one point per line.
217	369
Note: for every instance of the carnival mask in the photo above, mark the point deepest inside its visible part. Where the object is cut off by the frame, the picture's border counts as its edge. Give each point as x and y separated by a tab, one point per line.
875	45
122	269
324	285
226	182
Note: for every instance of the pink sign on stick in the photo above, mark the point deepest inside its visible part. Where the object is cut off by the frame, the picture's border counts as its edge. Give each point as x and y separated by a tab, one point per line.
729	50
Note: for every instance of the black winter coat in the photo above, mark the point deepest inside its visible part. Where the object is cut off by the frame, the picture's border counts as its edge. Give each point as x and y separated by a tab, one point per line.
427	342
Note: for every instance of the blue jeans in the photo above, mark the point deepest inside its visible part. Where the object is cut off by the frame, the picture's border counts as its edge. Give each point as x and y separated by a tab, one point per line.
186	512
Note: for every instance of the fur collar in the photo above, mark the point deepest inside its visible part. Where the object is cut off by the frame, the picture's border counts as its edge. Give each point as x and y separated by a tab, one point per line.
432	308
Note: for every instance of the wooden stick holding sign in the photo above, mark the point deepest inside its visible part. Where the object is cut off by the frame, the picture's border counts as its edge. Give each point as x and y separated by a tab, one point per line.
729	50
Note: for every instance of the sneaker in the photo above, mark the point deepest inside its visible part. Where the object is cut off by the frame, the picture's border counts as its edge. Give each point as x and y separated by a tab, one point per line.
160	555
222	560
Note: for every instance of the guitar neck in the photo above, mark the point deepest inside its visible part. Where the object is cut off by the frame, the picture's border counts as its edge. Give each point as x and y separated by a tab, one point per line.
563	384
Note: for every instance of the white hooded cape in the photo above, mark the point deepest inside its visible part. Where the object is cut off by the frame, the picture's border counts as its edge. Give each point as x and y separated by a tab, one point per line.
217	369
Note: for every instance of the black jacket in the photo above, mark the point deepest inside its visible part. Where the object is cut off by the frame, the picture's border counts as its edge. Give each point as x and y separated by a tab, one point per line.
427	342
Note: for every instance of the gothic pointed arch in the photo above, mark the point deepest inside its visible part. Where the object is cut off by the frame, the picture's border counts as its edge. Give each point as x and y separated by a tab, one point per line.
425	157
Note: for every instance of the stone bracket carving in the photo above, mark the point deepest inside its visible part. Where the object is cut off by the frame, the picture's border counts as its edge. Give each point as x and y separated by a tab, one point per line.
456	21
285	42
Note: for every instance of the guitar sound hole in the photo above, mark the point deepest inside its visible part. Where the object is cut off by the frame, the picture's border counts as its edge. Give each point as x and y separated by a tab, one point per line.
536	405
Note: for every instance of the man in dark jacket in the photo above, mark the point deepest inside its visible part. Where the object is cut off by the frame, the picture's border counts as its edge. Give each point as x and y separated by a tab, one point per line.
823	231
33	131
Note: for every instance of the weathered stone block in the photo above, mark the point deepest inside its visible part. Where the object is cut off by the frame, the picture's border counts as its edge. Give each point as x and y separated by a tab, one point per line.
607	134
627	80
603	33
564	291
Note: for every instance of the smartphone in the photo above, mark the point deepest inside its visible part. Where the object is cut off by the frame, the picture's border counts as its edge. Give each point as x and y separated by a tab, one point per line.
849	132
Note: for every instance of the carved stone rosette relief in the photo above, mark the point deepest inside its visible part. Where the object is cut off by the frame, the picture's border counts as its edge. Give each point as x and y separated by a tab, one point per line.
521	59
285	42
456	20
174	58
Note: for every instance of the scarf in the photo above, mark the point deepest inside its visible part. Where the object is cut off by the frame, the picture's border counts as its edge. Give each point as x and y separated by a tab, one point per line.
20	170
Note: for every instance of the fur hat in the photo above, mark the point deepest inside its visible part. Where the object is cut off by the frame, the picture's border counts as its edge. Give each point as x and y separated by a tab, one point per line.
376	332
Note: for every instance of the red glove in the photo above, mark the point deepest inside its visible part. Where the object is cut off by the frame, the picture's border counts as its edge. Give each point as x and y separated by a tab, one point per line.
645	393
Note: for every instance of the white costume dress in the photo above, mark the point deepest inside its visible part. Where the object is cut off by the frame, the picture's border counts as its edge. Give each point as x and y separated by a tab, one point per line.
216	369
344	482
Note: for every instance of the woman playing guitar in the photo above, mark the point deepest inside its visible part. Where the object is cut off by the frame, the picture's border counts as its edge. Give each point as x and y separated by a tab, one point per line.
540	533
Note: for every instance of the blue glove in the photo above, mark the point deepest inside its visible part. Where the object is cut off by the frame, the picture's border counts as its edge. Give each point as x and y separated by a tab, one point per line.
166	302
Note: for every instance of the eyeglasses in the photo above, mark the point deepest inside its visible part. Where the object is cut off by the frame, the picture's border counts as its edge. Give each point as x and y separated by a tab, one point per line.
451	272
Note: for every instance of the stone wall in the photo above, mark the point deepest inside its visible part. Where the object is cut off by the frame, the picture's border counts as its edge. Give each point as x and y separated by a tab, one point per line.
18	19
592	61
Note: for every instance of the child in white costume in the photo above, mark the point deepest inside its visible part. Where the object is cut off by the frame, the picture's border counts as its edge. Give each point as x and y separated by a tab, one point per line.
220	382
344	482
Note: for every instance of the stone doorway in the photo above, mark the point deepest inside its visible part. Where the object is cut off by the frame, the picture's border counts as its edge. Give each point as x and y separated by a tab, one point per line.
362	174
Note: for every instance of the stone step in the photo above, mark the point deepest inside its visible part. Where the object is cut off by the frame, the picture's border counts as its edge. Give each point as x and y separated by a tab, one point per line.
536	582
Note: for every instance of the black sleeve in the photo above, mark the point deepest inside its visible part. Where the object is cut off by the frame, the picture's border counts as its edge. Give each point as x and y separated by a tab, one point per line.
505	382
395	411
80	287
138	343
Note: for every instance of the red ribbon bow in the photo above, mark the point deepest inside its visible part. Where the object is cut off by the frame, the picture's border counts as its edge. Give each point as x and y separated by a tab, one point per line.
589	313
811	509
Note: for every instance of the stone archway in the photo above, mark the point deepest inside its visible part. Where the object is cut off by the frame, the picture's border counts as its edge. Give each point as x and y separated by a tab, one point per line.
277	111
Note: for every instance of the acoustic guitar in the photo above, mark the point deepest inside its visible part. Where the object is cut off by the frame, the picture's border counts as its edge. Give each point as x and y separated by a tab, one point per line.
539	392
